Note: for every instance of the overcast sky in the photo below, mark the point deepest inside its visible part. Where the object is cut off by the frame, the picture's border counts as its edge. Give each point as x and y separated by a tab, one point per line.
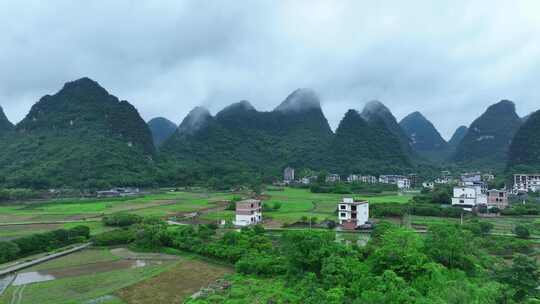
447	59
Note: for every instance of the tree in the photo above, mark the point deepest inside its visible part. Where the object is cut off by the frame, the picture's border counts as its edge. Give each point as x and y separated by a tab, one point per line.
305	250
522	276
8	251
399	251
522	231
450	246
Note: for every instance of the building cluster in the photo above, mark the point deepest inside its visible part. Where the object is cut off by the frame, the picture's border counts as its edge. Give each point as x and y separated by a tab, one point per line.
472	192
524	183
118	192
401	181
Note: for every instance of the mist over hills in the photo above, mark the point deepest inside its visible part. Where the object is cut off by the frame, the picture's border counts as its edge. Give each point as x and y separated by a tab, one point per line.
84	137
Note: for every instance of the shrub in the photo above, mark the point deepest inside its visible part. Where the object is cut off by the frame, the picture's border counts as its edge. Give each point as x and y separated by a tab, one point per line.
121	219
114	237
8	251
522	231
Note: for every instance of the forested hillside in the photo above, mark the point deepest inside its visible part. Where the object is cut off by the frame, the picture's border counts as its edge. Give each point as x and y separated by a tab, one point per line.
79	137
367	147
5	125
524	153
488	138
241	141
161	129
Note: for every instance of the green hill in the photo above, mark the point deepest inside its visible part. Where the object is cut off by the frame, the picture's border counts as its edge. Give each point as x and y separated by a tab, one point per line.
367	147
161	129
488	138
524	152
422	133
375	110
79	137
457	137
5	125
240	141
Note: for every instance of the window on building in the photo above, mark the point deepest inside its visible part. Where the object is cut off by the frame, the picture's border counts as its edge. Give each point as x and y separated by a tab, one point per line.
342	207
342	214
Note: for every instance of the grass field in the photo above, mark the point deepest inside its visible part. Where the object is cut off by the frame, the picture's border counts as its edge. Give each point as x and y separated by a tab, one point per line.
166	202
46	216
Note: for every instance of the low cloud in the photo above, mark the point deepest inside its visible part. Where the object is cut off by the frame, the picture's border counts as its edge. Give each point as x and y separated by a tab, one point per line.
449	60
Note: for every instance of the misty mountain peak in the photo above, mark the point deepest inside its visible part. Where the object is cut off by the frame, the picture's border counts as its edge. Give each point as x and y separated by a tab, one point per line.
242	105
195	120
300	100
374	108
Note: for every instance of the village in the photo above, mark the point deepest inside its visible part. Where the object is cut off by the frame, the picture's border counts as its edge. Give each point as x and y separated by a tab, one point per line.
470	193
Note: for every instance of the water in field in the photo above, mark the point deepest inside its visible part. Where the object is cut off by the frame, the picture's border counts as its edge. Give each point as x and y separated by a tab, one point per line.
74	271
32	277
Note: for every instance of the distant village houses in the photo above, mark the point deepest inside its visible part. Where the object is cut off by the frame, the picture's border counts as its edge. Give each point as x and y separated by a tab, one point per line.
400	181
118	192
444	178
288	175
248	212
497	199
488	177
333	178
352	214
368	179
526	182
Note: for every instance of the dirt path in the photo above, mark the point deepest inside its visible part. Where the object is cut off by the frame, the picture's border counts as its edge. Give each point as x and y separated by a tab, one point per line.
16	297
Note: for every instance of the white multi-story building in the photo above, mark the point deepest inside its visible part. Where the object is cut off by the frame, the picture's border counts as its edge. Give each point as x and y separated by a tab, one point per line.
445	178
353	178
248	212
401	181
352	214
306	180
526	183
471	177
333	178
288	175
369	179
468	196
